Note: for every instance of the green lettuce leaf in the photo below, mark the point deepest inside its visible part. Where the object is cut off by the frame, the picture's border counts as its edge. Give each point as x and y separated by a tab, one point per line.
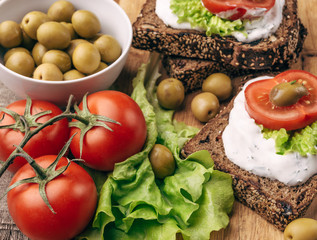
197	15
133	204
303	141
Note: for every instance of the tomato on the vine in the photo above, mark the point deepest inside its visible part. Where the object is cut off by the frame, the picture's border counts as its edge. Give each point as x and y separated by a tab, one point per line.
50	140
238	8
102	147
295	116
72	195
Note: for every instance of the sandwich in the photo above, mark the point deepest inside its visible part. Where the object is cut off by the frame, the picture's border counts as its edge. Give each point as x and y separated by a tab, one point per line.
277	182
194	52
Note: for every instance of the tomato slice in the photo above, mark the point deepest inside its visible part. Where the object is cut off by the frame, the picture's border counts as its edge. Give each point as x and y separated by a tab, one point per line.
296	116
239	8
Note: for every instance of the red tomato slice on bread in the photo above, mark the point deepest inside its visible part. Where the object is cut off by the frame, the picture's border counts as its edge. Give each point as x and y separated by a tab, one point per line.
238	7
296	116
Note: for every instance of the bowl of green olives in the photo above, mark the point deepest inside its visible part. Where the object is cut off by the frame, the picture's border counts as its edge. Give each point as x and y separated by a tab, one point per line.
52	49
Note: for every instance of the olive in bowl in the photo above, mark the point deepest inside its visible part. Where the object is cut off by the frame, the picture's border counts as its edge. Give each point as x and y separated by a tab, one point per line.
114	22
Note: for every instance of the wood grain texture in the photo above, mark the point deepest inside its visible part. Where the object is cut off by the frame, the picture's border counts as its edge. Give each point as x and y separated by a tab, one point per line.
244	223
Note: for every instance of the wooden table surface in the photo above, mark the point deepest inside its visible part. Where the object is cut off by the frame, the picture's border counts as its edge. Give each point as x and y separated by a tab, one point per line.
244	223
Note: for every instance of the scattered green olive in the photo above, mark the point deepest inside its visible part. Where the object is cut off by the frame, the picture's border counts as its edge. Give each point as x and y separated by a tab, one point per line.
170	93
73	74
85	23
53	35
61	11
86	58
10	34
205	106
59	58
287	93
38	52
218	84
31	22
301	229
49	72
22	63
14	50
162	161
109	48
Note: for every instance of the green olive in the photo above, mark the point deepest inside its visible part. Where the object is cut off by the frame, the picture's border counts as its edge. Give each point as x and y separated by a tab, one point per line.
301	229
53	35
205	106
73	74
287	93
59	58
10	34
38	52
86	58
109	48
71	30
27	42
31	22
22	63
73	44
85	23
14	50
218	84
162	161
101	66
170	93
48	72
61	11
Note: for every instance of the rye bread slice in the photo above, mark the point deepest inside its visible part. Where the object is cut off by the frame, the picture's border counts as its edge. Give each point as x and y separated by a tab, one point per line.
150	33
276	202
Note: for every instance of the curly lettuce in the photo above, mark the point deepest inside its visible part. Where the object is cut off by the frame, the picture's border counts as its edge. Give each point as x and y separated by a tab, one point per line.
133	204
197	15
303	141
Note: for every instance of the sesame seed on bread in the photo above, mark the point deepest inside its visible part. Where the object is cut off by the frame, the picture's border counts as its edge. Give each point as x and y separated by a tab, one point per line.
276	202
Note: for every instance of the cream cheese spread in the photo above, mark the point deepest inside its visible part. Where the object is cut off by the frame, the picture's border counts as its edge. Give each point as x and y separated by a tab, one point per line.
245	146
256	29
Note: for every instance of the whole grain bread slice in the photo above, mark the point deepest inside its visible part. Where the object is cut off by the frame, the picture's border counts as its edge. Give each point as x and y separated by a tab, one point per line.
150	33
276	202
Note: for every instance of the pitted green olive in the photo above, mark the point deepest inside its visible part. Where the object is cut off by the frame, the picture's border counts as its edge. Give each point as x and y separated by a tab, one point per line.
205	106
22	63
109	48
53	35
85	23
287	93
10	34
170	93
301	229
38	52
59	58
61	11
48	72
86	58
162	161
31	22
14	50
218	84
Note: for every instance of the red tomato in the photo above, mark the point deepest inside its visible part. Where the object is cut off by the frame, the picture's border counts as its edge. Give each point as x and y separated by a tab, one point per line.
72	195
239	7
48	141
103	148
296	116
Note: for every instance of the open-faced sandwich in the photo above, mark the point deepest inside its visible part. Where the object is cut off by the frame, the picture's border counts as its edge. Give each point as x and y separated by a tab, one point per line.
265	138
236	37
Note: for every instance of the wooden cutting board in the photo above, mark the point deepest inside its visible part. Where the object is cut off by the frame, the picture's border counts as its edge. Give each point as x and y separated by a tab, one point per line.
244	223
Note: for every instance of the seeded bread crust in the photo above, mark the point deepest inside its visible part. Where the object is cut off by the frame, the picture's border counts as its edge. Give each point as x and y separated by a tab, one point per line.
150	33
276	202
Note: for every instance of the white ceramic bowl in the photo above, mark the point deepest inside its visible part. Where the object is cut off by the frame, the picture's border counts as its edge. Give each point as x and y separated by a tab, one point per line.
114	21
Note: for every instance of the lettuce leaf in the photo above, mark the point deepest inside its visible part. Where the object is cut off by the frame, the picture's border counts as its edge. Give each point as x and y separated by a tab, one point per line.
197	15
134	205
303	141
